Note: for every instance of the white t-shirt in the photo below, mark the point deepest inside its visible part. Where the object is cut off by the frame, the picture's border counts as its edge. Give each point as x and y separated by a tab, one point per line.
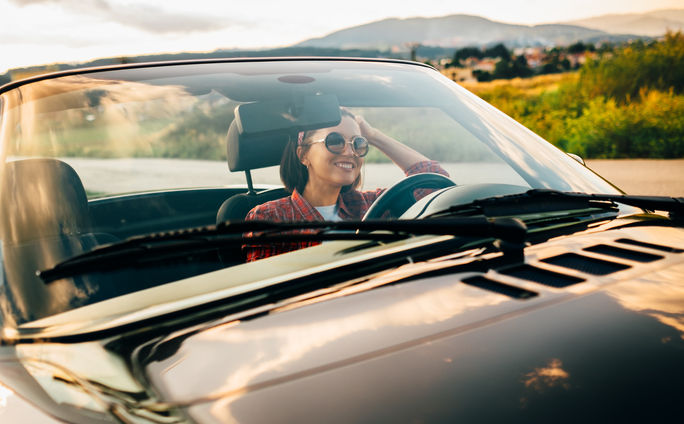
329	213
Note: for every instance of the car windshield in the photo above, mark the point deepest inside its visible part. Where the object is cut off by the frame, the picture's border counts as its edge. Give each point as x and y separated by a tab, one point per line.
92	158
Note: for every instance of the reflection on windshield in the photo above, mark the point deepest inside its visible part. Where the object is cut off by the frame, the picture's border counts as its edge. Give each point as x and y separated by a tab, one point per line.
541	164
44	221
86	117
5	393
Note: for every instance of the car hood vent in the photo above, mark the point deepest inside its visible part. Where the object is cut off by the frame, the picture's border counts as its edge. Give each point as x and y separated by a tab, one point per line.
585	264
541	276
499	287
571	260
619	252
650	245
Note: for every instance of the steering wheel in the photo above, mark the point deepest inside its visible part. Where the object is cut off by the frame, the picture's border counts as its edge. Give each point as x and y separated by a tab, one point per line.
398	198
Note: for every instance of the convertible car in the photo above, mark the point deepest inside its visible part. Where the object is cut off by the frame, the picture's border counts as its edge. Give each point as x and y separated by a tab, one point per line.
522	287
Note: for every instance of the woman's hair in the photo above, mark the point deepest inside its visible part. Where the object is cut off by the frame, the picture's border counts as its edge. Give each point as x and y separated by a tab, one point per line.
293	173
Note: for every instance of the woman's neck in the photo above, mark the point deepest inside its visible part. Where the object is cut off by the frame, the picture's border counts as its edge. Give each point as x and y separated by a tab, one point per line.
321	196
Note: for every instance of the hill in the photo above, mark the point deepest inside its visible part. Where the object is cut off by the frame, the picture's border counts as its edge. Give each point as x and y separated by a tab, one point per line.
451	31
650	23
438	37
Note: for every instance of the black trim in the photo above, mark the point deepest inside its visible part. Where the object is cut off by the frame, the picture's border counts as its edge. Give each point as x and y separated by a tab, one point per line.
18	83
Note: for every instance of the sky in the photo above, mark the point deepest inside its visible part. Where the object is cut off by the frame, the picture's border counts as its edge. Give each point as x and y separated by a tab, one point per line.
38	32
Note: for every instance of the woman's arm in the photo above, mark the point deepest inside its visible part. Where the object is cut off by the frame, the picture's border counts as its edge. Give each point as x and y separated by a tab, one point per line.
399	153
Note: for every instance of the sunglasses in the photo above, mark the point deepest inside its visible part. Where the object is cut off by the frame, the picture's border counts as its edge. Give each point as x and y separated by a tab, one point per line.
335	143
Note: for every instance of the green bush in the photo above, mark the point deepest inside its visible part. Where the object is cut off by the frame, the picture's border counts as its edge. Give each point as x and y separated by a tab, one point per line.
628	104
622	76
652	127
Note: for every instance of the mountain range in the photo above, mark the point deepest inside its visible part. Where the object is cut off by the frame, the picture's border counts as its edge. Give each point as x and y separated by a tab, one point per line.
455	31
653	23
437	37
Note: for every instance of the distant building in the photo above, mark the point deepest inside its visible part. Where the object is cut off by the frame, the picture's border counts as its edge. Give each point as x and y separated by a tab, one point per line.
486	64
459	74
534	56
579	59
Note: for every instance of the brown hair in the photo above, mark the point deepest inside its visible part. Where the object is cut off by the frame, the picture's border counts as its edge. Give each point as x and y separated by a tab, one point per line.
294	174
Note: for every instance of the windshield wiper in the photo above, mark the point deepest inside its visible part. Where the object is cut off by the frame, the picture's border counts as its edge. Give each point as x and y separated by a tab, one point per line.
509	232
545	200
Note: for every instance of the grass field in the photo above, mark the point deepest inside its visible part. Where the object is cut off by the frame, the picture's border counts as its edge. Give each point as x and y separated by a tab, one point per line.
533	86
563	109
544	104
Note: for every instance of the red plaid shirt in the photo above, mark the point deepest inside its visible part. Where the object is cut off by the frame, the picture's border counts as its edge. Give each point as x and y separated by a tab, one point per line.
352	204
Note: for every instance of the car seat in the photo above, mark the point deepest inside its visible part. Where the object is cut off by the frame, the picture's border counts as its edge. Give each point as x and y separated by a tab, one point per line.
246	152
45	221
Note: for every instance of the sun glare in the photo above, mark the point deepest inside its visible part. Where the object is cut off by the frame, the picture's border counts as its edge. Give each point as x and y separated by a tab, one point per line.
5	393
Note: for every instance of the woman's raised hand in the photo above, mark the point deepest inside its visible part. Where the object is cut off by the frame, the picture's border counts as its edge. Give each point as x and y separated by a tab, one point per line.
367	131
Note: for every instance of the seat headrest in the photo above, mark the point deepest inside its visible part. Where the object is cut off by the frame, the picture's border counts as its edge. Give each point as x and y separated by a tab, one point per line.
253	151
260	131
42	197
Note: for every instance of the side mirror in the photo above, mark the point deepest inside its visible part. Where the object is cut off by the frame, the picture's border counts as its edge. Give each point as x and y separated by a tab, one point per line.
577	158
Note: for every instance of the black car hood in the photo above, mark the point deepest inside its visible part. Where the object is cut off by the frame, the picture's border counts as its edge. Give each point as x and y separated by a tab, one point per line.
601	340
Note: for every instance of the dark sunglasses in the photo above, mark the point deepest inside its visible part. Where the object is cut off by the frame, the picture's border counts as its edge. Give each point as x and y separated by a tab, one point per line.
335	143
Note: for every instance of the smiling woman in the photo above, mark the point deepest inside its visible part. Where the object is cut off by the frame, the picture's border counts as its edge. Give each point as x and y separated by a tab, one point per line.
322	170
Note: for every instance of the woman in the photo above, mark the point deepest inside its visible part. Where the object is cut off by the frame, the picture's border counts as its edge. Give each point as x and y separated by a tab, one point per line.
322	170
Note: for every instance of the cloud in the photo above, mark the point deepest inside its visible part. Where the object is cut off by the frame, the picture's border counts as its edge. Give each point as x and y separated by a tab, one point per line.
38	38
22	3
148	18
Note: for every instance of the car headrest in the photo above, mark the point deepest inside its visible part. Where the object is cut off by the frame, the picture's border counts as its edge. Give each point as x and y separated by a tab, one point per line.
253	151
260	131
42	197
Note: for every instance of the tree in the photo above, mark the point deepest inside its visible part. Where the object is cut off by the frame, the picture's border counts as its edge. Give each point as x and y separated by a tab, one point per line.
482	76
605	48
639	66
413	48
520	67
466	53
507	69
576	48
498	50
552	63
